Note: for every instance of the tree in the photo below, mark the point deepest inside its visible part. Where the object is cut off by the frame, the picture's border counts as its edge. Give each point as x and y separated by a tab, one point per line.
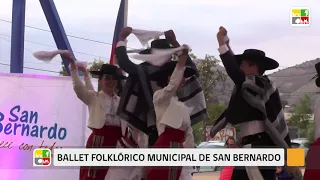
209	77
310	134
93	66
214	112
301	116
96	65
63	72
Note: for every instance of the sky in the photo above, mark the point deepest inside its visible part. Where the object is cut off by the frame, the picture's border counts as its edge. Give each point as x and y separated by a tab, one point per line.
263	24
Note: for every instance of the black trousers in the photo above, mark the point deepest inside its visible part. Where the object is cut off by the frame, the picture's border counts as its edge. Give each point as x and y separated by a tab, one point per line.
152	135
261	140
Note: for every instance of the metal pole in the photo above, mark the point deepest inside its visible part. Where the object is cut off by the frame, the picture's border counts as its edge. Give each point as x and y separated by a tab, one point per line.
17	36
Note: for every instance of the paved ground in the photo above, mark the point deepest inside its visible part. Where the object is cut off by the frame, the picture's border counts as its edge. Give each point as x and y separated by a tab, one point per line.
212	175
206	176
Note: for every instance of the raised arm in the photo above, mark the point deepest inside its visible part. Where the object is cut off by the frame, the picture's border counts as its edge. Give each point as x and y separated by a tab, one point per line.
79	88
167	92
171	37
87	78
121	52
228	59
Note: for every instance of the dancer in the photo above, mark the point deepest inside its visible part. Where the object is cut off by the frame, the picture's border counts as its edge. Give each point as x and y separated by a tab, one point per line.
313	156
173	116
226	172
105	125
255	105
136	104
131	139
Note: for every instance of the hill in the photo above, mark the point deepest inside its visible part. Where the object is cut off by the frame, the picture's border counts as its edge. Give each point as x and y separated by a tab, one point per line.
293	83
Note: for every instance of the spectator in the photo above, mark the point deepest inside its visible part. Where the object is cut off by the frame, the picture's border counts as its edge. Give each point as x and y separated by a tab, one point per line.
295	172
226	172
282	174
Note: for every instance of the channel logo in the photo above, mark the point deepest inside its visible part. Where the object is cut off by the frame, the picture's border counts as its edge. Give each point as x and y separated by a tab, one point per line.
42	157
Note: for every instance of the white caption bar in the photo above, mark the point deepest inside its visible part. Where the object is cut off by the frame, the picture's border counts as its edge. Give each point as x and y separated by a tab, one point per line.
169	157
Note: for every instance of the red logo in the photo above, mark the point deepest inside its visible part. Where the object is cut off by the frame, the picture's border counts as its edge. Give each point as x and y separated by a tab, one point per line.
45	161
304	20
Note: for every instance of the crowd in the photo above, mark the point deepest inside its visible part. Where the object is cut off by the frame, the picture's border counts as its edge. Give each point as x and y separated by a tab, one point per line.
160	99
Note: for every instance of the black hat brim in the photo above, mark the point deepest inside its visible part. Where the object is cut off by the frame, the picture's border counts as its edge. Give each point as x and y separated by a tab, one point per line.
266	62
118	75
148	51
317	81
167	71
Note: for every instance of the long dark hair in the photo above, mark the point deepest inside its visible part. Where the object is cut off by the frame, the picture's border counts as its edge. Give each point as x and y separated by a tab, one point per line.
227	143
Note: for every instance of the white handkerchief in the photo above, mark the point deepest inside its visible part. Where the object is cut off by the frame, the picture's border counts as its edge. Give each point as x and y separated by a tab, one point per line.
47	55
144	36
135	50
159	57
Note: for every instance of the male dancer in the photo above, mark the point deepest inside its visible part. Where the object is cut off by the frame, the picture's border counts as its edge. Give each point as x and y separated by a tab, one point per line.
313	157
103	121
136	104
255	104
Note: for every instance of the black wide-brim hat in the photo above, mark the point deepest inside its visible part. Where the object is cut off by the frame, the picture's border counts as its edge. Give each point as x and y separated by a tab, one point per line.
167	70
259	57
110	70
157	44
317	81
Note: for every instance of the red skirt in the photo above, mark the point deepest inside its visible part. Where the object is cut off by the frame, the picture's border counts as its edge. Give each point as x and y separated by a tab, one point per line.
170	138
313	161
106	137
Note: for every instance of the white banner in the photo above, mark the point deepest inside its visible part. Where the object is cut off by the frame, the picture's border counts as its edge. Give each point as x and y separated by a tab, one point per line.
222	135
169	157
38	112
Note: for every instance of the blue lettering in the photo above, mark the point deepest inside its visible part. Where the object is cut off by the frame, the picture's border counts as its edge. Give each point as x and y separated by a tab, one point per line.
24	117
34	131
1	119
33	116
20	124
28	118
42	130
7	129
16	126
64	131
25	127
16	118
52	134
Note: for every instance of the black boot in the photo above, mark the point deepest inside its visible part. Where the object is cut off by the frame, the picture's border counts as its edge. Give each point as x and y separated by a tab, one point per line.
153	136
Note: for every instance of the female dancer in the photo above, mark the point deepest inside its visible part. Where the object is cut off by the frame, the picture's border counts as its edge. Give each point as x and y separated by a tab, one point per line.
173	116
102	105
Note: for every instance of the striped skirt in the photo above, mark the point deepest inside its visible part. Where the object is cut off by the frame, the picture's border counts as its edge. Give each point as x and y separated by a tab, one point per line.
170	138
106	137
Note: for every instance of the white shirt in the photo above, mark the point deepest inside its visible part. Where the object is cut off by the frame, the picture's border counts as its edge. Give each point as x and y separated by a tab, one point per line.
170	111
111	104
317	119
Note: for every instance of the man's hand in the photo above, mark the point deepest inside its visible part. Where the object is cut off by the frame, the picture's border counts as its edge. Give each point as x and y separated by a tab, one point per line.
125	32
186	50
170	36
221	34
68	56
